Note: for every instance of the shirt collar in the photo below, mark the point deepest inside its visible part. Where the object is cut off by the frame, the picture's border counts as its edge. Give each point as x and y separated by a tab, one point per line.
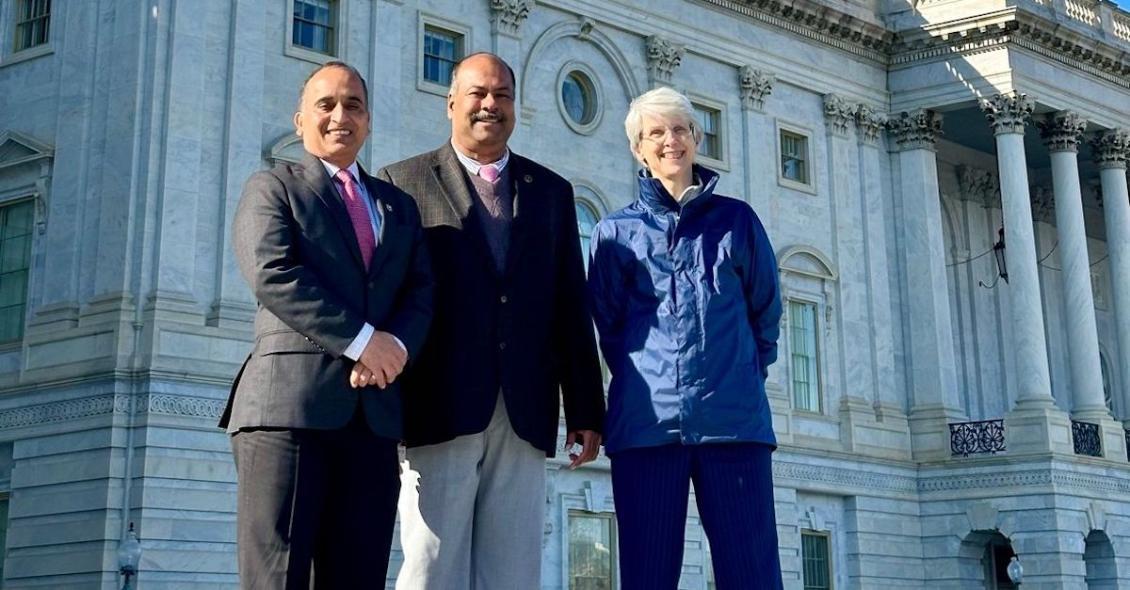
332	170
473	167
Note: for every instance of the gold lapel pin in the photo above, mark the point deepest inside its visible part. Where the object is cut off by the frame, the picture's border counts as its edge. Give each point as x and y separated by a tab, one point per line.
528	178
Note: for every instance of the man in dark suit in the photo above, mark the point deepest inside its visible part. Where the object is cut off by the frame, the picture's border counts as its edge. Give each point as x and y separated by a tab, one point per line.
337	261
511	333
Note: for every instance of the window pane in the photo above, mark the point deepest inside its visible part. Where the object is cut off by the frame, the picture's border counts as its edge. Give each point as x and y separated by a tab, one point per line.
816	567
314	25
794	152
590	552
573	95
805	364
1107	393
441	50
709	120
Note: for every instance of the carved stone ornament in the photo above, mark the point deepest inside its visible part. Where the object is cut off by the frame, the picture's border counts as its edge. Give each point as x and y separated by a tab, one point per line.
1062	131
869	123
838	112
978	185
663	58
507	16
917	129
1008	113
755	85
1112	148
1043	204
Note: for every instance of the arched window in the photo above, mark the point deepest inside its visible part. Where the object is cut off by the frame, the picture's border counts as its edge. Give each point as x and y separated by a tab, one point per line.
1108	389
807	278
587	217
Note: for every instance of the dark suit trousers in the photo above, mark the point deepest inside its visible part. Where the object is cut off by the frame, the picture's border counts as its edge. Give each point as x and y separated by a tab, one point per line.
325	498
733	485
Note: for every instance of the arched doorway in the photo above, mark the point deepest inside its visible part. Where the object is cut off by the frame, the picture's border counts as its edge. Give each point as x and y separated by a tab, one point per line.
984	560
1102	569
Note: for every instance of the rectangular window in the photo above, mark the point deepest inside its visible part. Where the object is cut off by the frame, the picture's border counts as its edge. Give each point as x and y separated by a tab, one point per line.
442	50
794	157
816	566
710	121
33	18
592	546
313	26
805	360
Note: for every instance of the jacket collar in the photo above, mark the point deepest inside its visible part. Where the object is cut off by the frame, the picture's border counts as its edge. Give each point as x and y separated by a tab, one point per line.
656	198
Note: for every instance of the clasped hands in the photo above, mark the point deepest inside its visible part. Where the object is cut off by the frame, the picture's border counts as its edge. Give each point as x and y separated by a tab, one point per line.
381	362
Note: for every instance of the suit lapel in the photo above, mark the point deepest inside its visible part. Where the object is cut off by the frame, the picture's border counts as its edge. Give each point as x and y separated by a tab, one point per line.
390	223
451	177
314	174
527	210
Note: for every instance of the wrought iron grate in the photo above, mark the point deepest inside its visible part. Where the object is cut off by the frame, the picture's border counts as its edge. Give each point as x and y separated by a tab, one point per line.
1085	437
976	438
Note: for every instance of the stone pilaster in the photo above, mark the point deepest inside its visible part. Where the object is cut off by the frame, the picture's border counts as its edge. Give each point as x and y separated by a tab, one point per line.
869	123
838	113
754	86
932	368
507	16
663	58
1112	151
1034	425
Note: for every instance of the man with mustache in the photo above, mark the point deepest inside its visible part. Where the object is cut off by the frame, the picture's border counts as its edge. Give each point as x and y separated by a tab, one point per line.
511	330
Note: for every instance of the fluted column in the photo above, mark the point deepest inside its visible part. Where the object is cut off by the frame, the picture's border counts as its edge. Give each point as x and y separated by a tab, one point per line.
1034	425
1061	133
932	367
1112	150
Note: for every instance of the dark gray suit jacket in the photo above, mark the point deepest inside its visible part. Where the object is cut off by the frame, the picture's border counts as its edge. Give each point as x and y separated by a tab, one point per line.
296	247
525	331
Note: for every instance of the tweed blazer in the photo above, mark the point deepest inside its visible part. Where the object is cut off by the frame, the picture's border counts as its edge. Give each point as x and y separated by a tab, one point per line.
525	331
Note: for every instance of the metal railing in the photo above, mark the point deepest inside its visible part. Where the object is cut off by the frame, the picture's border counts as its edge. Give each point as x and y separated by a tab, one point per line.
1085	437
977	438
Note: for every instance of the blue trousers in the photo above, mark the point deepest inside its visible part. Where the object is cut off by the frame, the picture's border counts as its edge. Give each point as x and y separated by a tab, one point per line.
733	485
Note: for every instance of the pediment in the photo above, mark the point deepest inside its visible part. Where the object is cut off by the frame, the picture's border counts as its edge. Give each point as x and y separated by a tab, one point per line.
806	260
288	148
17	148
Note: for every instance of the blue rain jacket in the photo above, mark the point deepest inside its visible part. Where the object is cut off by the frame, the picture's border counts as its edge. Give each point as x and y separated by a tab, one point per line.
687	304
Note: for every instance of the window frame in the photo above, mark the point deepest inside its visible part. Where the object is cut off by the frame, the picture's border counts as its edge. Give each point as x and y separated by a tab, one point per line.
423	23
722	162
592	84
830	569
340	17
817	307
9	53
809	186
32	199
613	547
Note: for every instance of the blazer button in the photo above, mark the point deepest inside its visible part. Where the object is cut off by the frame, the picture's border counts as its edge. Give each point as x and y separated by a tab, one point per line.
503	299
502	346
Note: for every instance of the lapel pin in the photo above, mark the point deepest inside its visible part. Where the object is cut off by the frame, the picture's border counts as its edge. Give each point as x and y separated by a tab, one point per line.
528	178
388	207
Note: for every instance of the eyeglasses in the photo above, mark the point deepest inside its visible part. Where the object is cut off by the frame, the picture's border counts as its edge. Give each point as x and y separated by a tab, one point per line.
659	134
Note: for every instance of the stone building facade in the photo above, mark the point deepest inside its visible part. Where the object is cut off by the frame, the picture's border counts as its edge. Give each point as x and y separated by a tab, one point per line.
935	419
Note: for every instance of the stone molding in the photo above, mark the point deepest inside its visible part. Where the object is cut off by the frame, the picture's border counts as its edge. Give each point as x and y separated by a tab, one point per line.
1024	478
663	58
838	113
1112	148
979	185
507	16
1062	131
1008	113
917	129
869	123
112	403
840	477
754	86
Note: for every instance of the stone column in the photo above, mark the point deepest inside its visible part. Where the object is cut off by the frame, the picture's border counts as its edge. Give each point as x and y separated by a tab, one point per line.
663	58
1112	151
755	86
506	19
1035	424
1061	132
932	369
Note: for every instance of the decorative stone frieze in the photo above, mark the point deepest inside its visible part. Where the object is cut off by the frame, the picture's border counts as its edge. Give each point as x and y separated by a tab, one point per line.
838	112
917	129
1043	204
1112	148
1008	113
869	123
663	58
1062	131
979	185
754	86
507	16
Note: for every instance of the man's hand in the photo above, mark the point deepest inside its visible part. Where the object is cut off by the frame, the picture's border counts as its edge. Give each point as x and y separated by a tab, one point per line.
381	362
590	446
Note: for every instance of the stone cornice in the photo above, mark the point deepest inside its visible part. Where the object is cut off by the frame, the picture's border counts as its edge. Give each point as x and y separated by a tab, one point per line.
1062	131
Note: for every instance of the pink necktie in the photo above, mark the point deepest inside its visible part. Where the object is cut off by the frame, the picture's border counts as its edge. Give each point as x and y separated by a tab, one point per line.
489	173
358	215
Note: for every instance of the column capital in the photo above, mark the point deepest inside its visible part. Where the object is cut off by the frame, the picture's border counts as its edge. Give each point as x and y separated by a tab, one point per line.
917	129
869	122
1112	148
1062	131
754	86
663	58
507	16
1008	113
838	112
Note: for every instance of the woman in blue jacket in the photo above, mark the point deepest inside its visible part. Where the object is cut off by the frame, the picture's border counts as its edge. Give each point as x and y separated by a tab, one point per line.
685	297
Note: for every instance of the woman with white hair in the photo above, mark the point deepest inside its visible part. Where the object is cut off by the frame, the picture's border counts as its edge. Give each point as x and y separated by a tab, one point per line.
685	297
